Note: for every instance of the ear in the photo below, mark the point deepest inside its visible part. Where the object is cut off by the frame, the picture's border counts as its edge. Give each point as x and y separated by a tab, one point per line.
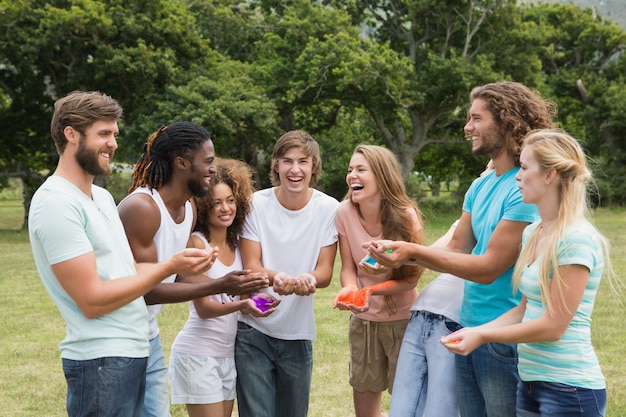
71	134
551	176
181	163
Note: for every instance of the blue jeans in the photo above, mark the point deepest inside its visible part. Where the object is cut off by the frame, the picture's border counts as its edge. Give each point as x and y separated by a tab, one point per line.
105	387
157	401
486	381
273	375
425	376
551	399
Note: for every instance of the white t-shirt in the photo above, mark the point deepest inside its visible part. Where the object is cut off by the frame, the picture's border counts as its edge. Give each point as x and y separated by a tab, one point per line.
171	237
443	295
291	241
215	336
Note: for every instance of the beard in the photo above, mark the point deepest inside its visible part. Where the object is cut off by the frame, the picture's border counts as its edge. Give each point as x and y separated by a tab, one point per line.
196	189
87	159
491	144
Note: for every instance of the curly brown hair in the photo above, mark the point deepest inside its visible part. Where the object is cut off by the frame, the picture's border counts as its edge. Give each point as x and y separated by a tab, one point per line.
517	110
238	176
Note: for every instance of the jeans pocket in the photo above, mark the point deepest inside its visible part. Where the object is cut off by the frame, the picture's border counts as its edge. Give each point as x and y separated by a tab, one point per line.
503	351
452	325
244	328
74	377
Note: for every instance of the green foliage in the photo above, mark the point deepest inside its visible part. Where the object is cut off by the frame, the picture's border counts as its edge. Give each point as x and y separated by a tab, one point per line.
609	9
118	183
433	207
337	145
346	71
415	187
221	96
583	57
610	184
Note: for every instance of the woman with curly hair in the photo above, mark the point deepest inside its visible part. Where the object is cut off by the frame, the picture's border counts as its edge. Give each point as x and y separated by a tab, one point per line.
202	365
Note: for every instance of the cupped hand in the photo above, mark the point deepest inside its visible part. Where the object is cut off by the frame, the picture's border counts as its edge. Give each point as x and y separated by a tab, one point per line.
305	284
283	283
260	305
372	270
357	301
344	297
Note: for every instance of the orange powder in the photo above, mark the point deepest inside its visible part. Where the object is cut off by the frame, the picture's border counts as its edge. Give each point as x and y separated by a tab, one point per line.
356	298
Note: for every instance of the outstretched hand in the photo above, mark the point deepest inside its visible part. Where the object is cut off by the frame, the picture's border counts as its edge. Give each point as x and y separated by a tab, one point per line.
389	253
244	282
192	261
260	305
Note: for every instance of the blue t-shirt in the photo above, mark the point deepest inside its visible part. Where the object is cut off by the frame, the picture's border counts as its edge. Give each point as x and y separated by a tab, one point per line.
64	223
489	200
570	360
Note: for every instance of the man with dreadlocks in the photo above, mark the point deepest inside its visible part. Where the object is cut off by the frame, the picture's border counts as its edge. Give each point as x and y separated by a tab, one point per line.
158	217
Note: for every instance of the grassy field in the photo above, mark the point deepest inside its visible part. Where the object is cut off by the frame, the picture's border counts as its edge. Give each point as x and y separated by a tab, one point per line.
31	379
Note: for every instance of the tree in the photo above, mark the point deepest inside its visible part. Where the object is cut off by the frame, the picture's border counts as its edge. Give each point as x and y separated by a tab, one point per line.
51	48
220	95
409	65
584	57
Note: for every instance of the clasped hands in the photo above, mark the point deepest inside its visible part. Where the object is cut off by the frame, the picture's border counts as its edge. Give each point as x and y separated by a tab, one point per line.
303	284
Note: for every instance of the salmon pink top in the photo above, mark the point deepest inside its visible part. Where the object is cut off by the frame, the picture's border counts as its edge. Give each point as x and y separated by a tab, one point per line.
349	226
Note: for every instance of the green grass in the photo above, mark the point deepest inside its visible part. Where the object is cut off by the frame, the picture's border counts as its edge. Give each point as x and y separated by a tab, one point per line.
31	379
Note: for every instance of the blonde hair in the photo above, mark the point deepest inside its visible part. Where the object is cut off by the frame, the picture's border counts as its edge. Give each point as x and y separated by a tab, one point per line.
556	150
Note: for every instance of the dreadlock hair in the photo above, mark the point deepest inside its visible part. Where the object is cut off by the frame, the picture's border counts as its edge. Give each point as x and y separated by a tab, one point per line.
517	110
238	176
154	168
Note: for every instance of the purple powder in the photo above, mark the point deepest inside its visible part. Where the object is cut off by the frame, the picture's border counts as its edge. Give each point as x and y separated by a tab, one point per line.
261	302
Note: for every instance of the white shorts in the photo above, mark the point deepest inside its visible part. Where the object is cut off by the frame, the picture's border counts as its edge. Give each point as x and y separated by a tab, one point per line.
201	379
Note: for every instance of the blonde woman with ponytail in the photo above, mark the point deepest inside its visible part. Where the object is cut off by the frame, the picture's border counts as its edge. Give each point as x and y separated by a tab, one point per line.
562	260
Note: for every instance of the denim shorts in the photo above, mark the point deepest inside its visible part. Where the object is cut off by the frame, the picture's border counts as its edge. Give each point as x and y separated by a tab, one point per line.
539	398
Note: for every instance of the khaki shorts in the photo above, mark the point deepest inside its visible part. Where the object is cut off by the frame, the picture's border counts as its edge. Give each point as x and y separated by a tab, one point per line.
374	350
